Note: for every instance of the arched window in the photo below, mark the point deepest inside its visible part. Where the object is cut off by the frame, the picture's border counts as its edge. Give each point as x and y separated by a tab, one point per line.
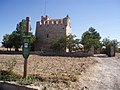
47	35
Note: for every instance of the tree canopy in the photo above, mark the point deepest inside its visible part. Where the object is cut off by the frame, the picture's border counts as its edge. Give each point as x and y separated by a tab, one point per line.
66	42
15	39
107	42
90	38
6	41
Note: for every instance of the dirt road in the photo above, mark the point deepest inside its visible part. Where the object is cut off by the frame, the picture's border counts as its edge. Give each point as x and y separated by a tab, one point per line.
103	76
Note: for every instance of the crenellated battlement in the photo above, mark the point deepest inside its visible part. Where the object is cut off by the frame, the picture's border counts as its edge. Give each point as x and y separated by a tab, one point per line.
47	20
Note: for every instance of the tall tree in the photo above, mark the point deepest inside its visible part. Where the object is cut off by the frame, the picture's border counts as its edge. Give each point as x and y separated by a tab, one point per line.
16	38
90	38
17	35
20	32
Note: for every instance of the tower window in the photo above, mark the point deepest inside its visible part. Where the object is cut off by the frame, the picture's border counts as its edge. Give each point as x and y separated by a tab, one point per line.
47	35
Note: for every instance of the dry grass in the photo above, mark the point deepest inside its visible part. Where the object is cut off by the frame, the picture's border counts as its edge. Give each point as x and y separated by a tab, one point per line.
117	56
49	68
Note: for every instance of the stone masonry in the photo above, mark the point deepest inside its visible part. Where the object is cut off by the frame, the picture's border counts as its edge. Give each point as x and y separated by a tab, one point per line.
48	30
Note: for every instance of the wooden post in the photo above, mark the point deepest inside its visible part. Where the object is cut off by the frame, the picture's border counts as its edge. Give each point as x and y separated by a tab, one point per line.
25	60
25	68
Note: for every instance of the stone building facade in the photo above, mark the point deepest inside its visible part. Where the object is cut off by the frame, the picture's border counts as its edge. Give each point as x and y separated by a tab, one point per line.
48	30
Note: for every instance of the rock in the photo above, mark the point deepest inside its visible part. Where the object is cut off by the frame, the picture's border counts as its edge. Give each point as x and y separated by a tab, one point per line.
85	88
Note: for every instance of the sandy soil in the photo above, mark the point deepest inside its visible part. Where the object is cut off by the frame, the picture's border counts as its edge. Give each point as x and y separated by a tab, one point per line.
92	73
65	69
105	75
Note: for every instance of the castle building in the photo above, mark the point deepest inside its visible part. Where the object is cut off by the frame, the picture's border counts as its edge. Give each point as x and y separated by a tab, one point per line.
48	30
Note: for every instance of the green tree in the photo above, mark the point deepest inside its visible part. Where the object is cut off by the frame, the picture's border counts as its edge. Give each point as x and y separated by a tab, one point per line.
16	37
70	42
32	41
6	42
90	38
108	42
66	42
59	45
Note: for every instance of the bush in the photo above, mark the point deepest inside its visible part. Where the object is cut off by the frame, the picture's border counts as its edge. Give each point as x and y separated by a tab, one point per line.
8	76
29	80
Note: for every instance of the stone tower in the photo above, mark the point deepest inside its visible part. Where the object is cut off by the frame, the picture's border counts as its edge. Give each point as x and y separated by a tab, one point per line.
49	29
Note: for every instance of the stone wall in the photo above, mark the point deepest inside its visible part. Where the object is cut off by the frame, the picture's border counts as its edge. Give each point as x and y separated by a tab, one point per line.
49	30
65	54
14	86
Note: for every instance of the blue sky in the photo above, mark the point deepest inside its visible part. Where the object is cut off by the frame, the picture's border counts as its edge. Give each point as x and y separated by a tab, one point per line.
103	15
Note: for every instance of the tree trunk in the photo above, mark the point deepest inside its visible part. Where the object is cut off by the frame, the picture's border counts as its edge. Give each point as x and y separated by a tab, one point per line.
16	49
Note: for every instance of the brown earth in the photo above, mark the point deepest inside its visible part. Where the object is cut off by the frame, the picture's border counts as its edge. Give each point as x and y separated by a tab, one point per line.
69	73
105	75
64	71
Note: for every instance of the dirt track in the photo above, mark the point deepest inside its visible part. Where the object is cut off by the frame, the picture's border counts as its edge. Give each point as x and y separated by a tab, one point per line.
105	75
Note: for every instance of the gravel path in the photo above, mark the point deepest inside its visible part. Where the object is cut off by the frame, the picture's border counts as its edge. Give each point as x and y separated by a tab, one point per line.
103	76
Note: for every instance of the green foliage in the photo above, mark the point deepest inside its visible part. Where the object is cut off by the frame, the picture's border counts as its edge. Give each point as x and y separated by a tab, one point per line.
15	39
21	26
17	36
90	38
29	80
66	42
107	43
11	64
59	45
70	42
6	41
32	41
9	75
